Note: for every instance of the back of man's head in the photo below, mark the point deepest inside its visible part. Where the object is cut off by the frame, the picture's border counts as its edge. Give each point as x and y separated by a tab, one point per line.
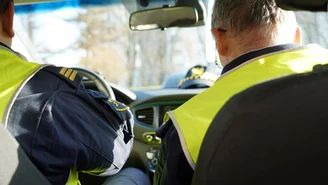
6	22
3	5
254	21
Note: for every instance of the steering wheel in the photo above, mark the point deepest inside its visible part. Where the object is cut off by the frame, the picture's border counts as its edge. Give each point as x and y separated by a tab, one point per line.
98	81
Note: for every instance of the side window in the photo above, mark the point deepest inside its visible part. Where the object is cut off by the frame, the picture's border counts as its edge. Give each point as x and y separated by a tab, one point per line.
314	27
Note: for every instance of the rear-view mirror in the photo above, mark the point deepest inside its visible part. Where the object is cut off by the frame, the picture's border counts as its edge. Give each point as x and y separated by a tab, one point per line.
161	18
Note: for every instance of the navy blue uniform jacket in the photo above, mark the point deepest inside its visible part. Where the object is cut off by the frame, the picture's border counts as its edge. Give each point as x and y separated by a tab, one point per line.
62	126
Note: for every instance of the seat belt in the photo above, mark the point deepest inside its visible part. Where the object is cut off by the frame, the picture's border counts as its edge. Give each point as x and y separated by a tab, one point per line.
15	166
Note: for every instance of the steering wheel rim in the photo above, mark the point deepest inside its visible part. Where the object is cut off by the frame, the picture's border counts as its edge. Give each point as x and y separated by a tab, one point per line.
99	81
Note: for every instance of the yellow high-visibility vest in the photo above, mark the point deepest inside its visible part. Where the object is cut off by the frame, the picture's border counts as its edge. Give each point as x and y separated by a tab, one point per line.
14	74
193	118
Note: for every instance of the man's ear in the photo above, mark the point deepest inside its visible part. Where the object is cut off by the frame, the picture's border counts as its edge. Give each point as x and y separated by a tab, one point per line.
298	36
8	21
221	41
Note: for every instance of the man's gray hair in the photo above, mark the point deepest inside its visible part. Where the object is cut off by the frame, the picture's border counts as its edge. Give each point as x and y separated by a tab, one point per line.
3	5
263	15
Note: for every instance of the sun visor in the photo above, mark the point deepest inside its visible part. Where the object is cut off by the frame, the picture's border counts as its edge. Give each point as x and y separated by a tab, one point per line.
309	5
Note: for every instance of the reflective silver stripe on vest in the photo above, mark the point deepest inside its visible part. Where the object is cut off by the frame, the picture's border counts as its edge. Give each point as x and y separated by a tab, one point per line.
182	141
18	90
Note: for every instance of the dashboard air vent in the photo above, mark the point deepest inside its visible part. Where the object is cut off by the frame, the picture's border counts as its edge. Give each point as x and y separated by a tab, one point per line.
145	115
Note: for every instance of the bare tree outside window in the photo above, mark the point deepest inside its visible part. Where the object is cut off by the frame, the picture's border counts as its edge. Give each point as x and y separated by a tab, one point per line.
105	44
99	39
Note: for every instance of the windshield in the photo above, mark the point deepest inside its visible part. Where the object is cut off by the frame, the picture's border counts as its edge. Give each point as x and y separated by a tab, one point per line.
98	38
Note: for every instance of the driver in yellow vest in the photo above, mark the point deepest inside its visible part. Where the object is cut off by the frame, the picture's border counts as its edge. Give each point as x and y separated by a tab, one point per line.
256	42
62	127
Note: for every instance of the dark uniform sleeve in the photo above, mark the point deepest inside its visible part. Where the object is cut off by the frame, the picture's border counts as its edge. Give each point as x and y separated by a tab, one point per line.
172	167
62	127
111	142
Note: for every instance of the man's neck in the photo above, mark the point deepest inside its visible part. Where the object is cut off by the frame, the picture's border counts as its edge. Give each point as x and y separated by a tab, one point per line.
5	40
4	45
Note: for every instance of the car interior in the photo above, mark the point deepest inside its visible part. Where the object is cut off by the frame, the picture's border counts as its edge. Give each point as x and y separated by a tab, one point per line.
149	104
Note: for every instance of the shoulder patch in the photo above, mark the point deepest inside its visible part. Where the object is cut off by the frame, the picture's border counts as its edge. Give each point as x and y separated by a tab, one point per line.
118	106
69	75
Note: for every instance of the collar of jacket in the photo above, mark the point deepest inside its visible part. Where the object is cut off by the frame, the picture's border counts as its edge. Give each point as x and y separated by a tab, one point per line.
256	53
5	47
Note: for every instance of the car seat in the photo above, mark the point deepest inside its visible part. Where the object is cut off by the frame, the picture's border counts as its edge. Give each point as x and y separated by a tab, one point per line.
15	167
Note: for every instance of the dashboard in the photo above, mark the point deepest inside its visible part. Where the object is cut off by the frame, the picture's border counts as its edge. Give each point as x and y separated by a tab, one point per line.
149	109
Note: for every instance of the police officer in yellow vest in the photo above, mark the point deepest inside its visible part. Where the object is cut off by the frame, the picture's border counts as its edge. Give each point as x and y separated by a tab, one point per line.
256	42
62	127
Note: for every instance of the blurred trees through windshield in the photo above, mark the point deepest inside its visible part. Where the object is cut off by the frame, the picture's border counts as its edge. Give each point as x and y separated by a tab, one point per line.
99	39
104	43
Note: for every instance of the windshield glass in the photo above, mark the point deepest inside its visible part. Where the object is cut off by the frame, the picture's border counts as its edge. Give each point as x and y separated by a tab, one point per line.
98	38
